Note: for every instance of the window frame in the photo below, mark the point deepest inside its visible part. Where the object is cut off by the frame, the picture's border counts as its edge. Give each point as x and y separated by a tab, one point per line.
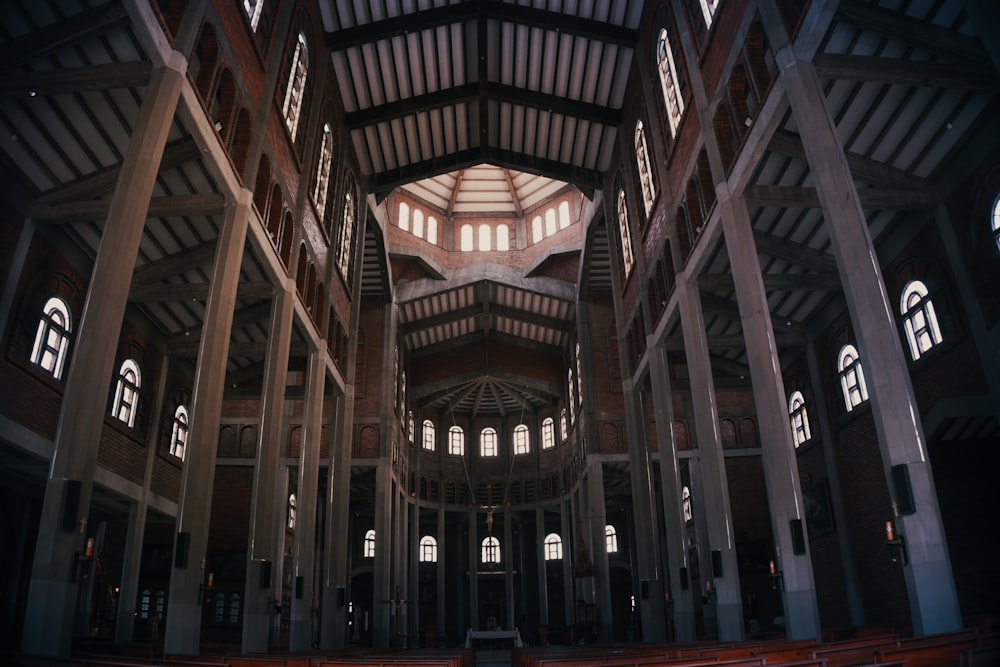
429	440
456	441
127	387
490	550
522	440
489	447
368	548
52	337
628	259
291	106
647	183
548	433
916	304
552	547
799	417
852	377
666	67
428	549
179	431
610	539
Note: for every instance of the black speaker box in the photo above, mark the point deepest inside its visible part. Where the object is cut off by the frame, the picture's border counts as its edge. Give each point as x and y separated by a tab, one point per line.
716	563
71	504
181	550
904	492
798	539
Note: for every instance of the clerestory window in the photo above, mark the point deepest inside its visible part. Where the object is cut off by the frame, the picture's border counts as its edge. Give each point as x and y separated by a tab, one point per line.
799	417
852	377
919	319
52	337
127	392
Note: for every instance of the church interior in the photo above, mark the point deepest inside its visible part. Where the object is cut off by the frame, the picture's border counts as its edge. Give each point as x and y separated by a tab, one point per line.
353	328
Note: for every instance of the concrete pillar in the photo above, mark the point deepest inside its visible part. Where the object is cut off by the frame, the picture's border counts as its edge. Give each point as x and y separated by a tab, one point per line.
183	627
929	582
473	570
566	530
508	569
724	572
52	593
781	472
333	629
598	519
845	547
128	588
543	590
13	278
301	627
264	550
649	597
702	550
382	567
412	564
442	572
681	602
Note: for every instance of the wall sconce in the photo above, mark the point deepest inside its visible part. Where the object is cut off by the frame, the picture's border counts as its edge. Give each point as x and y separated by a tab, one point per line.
896	543
709	592
206	591
777	577
81	568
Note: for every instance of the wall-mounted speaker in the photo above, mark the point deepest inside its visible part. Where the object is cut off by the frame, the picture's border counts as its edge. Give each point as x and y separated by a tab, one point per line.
300	583
181	550
716	563
798	539
684	579
265	574
644	589
904	492
71	504
341	596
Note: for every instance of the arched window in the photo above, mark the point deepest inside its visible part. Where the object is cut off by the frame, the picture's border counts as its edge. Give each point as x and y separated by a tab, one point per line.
553	547
579	375
919	319
548	433
410	427
52	337
564	220
161	604
291	511
521	441
179	433
456	441
536	229
418	223
403	217
667	68
563	425
686	504
488	442
708	8
369	545
626	236
646	182
345	243
503	238
852	377
467	241
610	539
996	221
800	418
253	8
428	549
570	393
322	185
220	608
127	392
551	224
291	108
491	550
430	437
432	229
485	237
145	602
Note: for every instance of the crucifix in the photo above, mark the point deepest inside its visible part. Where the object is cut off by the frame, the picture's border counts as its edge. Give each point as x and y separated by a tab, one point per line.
397	603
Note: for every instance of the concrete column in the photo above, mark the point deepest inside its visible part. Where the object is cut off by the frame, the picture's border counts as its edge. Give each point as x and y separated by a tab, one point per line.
442	573
508	568
128	588
848	561
264	550
566	530
12	280
781	472
412	564
715	486
183	628
929	582
703	552
649	597
598	517
52	593
673	511
300	631
333	629
543	589
473	570
382	567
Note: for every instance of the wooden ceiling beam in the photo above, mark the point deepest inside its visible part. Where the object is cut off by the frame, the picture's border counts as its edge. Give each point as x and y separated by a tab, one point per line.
913	31
62	34
723	282
62	81
175	264
736	341
899	71
163	292
790	251
174	206
782	196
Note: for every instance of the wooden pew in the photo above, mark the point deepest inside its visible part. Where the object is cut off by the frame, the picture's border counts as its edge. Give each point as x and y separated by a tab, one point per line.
799	650
937	651
841	654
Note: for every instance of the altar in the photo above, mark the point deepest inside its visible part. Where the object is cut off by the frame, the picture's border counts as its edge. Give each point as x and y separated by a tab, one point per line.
489	635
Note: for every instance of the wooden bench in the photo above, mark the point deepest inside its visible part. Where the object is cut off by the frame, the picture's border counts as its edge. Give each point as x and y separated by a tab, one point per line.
918	653
854	653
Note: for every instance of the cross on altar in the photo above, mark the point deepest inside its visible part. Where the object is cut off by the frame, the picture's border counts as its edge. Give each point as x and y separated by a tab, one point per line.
397	603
